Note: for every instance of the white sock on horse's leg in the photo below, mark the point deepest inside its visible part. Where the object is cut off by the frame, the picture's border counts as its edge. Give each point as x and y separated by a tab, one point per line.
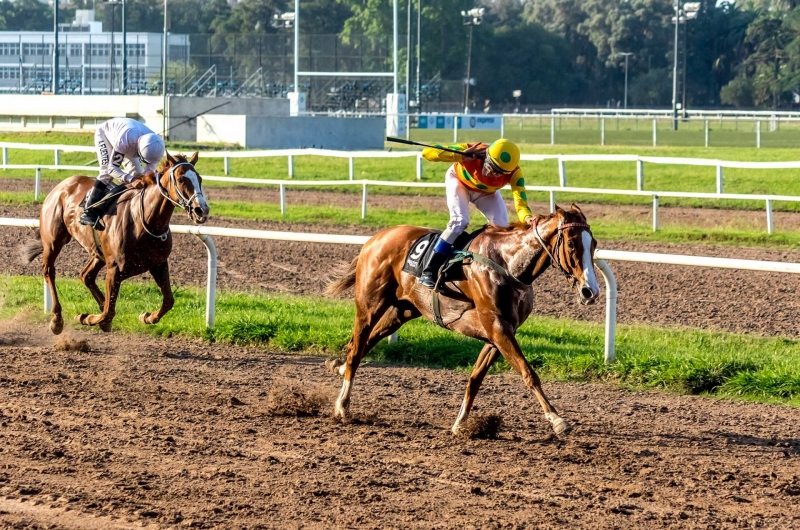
343	402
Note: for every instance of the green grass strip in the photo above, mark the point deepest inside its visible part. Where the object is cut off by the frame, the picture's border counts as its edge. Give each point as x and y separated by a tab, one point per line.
677	360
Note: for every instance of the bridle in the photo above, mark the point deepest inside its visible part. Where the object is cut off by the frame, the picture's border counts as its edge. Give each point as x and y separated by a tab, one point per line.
559	239
182	201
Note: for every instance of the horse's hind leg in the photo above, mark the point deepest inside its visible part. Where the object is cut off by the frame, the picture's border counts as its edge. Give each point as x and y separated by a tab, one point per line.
51	250
89	279
487	357
369	329
160	274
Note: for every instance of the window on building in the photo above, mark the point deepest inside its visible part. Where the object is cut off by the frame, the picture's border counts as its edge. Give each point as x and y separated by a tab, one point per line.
9	48
100	50
37	49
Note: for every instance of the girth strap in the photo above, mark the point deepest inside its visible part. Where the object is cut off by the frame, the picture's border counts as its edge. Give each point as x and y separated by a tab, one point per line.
465	258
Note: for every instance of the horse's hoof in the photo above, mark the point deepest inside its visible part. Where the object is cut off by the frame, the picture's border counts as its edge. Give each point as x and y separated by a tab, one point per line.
105	327
57	326
561	427
333	365
143	318
82	318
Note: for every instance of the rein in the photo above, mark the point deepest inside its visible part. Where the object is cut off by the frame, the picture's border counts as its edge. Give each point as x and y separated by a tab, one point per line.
559	238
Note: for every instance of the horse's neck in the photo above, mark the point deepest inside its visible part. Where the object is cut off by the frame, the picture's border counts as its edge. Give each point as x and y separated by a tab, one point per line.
522	253
157	209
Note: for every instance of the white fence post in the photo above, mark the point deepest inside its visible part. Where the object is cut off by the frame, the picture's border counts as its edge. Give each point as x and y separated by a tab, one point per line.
291	166
48	299
562	173
57	157
211	282
419	167
611	310
602	131
758	134
655	133
639	175
770	226
350	169
502	127
455	129
719	179
364	202
5	156
282	193
393	338
552	130
226	165
706	126
37	185
655	213
552	201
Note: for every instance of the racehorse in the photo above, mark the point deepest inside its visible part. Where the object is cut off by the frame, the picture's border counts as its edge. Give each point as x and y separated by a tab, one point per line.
498	295
136	238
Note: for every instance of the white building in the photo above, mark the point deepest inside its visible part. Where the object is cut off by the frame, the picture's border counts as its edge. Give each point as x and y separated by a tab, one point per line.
86	64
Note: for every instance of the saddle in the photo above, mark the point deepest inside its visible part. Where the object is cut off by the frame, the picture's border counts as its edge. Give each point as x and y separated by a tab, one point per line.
422	248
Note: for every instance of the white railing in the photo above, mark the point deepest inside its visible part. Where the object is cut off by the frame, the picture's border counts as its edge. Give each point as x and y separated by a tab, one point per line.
600	258
654	195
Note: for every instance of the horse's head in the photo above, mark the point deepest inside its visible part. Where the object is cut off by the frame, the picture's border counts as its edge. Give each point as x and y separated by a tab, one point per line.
572	245
184	186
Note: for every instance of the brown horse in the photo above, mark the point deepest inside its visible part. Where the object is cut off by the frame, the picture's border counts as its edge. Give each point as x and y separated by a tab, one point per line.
501	298
136	238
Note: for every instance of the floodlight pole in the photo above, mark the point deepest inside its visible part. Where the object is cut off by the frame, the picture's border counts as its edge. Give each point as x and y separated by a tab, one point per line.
676	8
394	61
296	47
164	74
469	64
124	51
408	54
419	21
54	87
625	99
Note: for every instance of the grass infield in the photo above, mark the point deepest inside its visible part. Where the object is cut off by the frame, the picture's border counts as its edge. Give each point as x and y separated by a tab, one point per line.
675	359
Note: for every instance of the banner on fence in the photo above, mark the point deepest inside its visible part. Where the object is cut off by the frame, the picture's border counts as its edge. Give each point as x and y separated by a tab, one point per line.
433	121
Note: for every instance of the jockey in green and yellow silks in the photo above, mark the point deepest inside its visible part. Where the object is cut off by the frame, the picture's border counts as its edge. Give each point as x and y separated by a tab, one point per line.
476	176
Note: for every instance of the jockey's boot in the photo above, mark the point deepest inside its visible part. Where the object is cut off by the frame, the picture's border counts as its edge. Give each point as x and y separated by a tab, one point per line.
437	258
91	214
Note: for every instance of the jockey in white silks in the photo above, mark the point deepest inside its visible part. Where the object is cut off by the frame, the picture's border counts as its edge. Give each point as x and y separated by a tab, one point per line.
118	140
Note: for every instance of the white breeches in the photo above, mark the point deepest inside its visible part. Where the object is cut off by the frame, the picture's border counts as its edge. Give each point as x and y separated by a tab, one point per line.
491	205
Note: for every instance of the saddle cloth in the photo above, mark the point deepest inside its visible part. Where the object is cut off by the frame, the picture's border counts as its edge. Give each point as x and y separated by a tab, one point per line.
417	257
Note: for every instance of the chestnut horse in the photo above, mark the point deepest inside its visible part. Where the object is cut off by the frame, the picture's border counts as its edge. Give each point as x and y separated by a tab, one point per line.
501	298
136	238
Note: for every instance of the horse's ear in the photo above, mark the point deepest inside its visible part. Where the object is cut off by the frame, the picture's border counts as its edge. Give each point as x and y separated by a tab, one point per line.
560	211
194	158
576	209
171	158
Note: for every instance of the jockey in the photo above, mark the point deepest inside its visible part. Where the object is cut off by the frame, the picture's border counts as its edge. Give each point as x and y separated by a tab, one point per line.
476	176
116	140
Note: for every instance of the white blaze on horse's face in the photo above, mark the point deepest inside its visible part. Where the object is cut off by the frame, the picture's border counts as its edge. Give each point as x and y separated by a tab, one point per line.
589	291
199	208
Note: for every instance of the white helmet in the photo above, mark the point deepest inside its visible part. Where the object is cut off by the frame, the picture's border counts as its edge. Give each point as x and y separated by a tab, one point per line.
151	148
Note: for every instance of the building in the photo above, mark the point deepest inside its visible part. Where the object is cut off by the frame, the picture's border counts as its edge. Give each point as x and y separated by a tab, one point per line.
86	62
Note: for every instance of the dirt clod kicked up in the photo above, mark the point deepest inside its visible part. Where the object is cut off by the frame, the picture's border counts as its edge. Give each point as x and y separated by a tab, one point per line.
483	427
289	399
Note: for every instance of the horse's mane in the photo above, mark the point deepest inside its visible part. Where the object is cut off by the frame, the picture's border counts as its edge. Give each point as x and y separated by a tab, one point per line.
515	226
150	180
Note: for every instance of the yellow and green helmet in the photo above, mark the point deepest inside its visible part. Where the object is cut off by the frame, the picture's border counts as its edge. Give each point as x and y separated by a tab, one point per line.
504	154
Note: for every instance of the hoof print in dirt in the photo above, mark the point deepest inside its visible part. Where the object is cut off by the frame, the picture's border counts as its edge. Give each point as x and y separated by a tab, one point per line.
67	344
481	427
289	400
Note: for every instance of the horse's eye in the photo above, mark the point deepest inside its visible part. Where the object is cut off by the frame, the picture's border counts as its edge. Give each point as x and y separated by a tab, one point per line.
571	245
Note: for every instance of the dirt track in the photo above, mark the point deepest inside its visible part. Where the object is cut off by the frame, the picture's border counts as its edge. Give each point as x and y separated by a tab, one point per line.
169	433
748	302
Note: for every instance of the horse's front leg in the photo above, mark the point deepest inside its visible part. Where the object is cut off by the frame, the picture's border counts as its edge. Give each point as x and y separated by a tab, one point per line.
501	334
160	274
113	280
487	357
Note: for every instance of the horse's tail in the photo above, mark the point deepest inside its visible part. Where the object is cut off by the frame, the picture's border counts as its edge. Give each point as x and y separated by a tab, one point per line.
28	251
346	279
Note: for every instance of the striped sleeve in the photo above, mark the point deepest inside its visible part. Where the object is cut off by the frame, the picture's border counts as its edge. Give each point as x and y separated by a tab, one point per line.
520	197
